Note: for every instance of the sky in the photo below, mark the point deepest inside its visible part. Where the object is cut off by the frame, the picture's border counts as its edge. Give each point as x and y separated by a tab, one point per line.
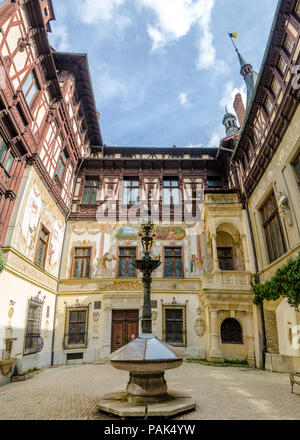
163	70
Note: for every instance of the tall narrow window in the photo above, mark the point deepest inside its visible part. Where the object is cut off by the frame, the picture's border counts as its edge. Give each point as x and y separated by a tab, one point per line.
131	191
42	246
81	262
76	327
296	165
289	44
171	191
126	267
282	65
275	86
269	105
225	257
90	191
173	263
30	88
174	324
33	341
6	157
61	165
272	228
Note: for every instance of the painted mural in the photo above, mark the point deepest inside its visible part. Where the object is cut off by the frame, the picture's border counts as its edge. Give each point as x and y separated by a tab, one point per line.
38	209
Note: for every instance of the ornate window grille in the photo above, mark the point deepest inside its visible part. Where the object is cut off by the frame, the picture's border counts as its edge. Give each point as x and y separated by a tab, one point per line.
231	332
33	341
76	327
174	323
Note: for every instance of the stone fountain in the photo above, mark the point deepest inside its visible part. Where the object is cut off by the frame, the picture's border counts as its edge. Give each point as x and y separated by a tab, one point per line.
146	358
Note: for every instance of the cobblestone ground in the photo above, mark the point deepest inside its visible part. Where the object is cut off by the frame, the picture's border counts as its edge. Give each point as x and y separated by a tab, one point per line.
72	392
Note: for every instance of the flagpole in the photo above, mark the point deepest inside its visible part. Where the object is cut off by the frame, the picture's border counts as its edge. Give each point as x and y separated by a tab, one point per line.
231	38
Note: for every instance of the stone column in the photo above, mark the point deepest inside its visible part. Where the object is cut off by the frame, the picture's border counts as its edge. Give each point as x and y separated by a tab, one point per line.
246	253
215	253
215	353
250	341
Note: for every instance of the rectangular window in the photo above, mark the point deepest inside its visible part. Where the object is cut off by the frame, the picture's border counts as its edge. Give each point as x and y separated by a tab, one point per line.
30	88
126	258
275	86
131	191
81	262
171	191
272	228
33	327
61	165
225	257
173	263
174	324
6	157
76	327
90	191
289	44
269	105
296	165
42	246
214	182
282	65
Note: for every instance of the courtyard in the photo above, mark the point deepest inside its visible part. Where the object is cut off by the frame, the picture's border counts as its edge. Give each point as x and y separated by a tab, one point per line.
222	393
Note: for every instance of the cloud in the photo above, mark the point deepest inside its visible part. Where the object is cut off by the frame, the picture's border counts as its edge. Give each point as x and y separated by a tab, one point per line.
183	99
92	11
229	94
216	137
108	87
60	39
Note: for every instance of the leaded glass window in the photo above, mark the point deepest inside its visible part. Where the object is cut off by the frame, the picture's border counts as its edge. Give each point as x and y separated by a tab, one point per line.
289	44
6	156
275	86
81	262
126	262
273	229
282	65
173	263
30	88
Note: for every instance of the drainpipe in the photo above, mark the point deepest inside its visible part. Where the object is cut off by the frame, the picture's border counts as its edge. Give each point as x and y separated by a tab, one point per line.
60	263
257	280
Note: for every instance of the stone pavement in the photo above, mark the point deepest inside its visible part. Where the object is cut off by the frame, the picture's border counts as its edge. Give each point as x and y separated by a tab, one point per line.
72	392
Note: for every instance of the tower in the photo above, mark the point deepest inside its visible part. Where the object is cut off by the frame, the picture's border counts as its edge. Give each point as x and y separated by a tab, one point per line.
230	123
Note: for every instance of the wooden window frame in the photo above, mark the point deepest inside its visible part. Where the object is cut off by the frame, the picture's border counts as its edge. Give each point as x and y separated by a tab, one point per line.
265	224
66	344
8	153
289	48
42	228
170	187
233	266
173	262
35	81
81	257
184	324
131	187
127	262
65	163
95	179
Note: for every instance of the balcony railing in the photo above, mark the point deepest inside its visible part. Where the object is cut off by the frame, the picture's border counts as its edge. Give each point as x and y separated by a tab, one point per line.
227	279
75	340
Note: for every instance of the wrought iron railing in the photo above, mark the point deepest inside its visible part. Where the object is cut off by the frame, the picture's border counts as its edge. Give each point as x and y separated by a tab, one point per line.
75	339
34	343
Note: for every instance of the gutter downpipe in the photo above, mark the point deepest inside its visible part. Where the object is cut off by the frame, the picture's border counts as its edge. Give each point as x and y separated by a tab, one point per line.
60	264
257	280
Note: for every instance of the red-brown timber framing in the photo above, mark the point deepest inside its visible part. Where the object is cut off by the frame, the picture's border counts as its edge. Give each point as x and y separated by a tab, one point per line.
263	139
18	121
111	165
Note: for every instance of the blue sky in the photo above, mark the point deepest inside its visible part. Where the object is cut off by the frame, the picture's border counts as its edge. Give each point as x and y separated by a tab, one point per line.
163	70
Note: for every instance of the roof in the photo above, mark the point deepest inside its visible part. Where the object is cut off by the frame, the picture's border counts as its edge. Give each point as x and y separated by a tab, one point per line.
78	65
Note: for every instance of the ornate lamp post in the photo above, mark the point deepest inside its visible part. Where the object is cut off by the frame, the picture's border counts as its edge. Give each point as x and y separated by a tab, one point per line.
147	265
146	358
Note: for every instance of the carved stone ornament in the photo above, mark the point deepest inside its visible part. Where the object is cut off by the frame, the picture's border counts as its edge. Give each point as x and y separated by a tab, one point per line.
96	316
199	327
284	209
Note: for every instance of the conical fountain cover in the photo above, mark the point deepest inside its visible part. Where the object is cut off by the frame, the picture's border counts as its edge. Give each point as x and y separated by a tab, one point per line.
147	347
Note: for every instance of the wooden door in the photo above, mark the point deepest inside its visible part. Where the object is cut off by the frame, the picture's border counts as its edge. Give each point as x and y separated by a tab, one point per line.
124	324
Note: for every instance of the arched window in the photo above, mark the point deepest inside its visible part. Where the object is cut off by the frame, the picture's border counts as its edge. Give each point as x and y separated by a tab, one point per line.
231	332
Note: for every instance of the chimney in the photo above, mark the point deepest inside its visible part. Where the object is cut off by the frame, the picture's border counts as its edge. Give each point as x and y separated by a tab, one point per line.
239	108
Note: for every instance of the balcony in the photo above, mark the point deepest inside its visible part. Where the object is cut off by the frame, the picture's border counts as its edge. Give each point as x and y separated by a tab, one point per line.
227	280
